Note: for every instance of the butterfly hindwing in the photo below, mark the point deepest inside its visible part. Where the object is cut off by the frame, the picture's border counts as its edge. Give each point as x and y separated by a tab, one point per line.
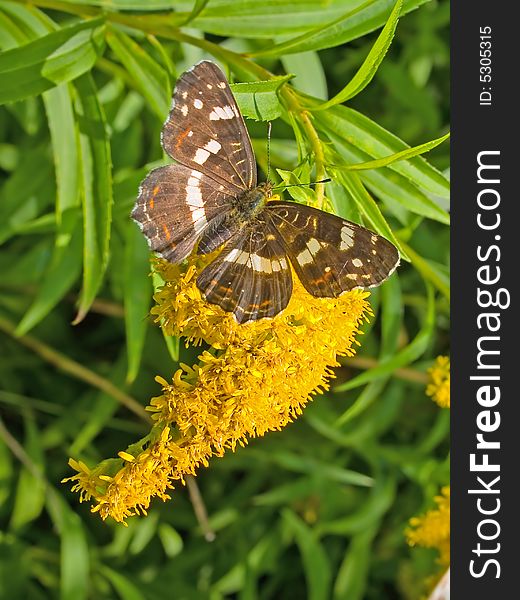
205	130
251	277
174	208
331	255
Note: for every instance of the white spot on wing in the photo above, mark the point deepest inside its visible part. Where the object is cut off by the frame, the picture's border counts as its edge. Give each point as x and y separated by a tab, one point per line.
221	112
347	239
304	257
313	245
201	156
213	146
198	103
184	110
357	262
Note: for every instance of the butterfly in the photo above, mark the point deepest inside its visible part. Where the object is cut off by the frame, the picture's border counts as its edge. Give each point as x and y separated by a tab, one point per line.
210	199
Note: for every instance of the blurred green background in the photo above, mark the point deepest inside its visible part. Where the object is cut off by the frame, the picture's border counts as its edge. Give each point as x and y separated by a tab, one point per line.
315	511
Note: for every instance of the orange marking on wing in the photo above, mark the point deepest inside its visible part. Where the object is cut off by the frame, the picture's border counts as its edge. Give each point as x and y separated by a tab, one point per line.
151	204
180	139
166	232
156	190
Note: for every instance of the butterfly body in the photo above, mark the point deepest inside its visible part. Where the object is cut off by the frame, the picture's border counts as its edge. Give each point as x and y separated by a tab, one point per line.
211	200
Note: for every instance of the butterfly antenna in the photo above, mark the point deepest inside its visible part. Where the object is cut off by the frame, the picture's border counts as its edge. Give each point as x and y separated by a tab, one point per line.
269	127
302	184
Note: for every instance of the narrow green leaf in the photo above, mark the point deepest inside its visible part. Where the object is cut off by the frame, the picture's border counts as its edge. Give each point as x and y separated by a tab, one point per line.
198	7
289	18
369	67
150	79
369	512
74	551
96	192
101	409
137	296
317	568
403	155
344	123
50	60
353	572
358	20
259	100
124	587
429	272
30	491
309	75
62	273
60	114
407	355
171	540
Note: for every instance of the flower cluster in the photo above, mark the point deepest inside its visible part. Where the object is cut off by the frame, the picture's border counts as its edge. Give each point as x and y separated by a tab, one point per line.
253	378
432	530
439	386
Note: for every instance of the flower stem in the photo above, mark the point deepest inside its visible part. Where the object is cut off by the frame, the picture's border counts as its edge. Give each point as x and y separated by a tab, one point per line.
365	362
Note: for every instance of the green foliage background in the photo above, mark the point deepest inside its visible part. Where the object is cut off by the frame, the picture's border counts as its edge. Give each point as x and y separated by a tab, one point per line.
316	511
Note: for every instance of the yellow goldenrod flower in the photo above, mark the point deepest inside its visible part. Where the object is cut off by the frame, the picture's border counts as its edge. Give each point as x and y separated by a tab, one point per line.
439	385
257	377
432	530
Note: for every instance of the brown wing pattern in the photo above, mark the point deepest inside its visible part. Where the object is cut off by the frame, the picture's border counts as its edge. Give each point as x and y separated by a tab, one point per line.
205	130
251	277
331	255
175	206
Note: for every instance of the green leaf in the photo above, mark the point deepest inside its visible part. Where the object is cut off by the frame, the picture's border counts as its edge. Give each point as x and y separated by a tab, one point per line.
198	7
309	75
430	272
60	114
274	18
317	568
101	409
259	100
125	588
30	491
150	79
404	357
356	21
353	572
344	123
369	68
380	500
96	191
403	155
398	192
137	296
171	540
62	273
74	552
50	60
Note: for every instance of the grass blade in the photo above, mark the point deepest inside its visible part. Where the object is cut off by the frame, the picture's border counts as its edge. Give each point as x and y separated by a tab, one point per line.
371	64
50	60
96	192
137	296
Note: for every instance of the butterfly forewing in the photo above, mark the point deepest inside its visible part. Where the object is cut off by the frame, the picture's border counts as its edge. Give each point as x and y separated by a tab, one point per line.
174	208
205	130
251	277
329	254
